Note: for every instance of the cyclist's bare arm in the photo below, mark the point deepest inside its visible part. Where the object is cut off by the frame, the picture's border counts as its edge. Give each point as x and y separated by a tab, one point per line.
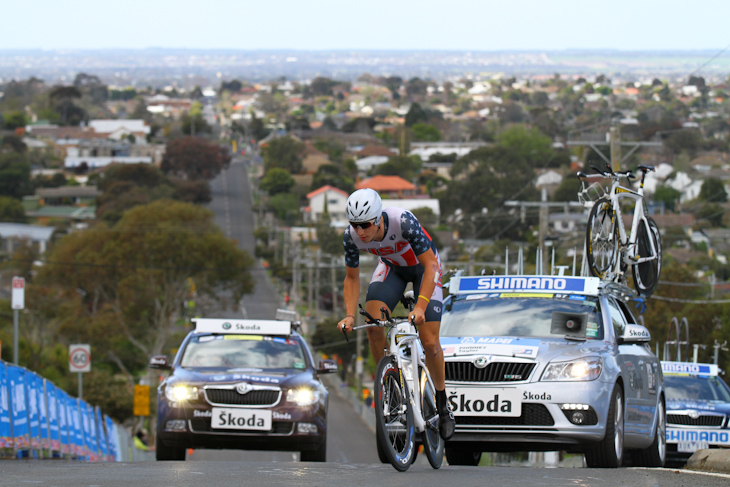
428	284
352	296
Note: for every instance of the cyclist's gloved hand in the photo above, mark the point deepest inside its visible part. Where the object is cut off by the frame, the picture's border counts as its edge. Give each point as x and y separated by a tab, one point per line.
346	324
420	317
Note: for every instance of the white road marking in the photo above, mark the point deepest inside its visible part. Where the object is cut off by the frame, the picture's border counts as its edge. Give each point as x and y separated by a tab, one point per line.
682	470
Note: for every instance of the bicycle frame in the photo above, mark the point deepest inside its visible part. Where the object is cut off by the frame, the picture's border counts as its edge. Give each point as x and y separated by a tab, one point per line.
629	242
404	341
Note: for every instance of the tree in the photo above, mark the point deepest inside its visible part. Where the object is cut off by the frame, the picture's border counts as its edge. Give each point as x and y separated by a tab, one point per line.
329	238
194	158
425	132
14	175
713	190
285	153
416	87
11	210
62	97
529	144
14	120
404	166
568	189
276	181
668	195
415	115
334	175
125	284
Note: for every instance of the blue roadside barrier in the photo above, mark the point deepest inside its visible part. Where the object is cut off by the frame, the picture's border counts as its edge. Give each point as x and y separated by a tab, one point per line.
38	421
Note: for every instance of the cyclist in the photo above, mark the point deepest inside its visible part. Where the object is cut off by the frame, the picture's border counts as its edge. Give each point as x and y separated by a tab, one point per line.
407	254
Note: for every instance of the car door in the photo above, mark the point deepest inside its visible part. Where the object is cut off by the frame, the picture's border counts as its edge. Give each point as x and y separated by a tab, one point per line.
628	361
647	376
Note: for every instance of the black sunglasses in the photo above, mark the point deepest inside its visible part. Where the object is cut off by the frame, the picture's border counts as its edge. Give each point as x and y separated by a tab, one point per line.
363	225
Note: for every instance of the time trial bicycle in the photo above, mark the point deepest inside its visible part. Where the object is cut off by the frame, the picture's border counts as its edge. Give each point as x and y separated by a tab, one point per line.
405	397
610	250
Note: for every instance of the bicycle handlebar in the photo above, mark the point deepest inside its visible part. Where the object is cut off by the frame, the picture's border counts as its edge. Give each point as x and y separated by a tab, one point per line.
386	321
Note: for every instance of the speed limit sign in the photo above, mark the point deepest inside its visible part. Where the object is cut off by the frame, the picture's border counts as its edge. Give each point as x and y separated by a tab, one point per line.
79	358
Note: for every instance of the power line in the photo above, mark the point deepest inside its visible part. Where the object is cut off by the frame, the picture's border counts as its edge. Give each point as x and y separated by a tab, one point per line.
709	61
691	301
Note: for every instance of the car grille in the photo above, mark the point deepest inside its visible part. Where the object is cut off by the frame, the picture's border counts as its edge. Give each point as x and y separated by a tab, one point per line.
493	372
202	425
703	420
263	397
532	415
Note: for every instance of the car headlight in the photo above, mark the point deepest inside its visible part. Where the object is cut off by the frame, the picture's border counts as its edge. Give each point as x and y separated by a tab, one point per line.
181	392
582	369
303	396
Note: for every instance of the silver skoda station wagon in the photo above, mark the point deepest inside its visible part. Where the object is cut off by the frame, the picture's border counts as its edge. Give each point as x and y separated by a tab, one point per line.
551	363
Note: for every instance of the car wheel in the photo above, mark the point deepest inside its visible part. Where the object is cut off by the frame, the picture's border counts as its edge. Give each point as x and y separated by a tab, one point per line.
462	455
318	455
656	454
609	452
167	453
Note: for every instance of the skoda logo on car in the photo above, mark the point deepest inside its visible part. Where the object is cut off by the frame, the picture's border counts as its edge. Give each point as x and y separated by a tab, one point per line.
243	388
481	361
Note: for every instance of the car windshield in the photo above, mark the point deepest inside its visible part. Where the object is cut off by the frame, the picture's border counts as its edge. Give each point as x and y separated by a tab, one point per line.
692	388
475	315
243	351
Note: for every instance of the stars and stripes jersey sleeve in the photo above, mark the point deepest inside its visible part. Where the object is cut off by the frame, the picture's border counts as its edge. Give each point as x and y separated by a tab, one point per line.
352	252
414	234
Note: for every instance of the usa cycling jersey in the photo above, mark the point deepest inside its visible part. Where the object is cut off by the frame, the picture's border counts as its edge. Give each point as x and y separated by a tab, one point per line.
404	240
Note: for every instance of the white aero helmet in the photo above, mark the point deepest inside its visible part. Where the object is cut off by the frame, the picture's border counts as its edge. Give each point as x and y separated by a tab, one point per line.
364	205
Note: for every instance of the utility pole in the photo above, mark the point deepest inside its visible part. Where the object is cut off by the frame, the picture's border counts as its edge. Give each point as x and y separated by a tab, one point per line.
615	136
614	142
334	286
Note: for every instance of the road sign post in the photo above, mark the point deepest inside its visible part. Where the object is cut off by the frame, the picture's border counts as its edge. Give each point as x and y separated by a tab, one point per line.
18	303
79	360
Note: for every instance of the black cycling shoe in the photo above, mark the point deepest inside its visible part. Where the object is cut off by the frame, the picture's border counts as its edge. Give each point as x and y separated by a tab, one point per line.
447	424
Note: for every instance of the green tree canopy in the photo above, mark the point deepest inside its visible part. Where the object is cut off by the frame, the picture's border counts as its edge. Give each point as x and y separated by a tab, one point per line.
713	190
285	153
668	195
14	175
127	282
14	120
415	115
194	158
11	210
276	181
404	166
528	144
425	132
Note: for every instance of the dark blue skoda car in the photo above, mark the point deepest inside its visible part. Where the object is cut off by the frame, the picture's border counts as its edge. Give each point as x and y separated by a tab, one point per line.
242	384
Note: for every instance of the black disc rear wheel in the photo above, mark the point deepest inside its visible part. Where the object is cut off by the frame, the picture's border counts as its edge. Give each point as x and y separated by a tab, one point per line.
646	274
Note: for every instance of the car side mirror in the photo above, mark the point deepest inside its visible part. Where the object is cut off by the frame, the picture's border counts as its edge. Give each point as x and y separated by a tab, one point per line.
634	333
327	366
160	362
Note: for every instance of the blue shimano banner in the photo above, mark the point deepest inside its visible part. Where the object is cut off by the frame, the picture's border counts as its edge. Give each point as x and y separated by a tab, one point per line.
101	434
63	423
32	381
90	431
78	424
54	432
6	438
111	437
43	414
18	407
583	285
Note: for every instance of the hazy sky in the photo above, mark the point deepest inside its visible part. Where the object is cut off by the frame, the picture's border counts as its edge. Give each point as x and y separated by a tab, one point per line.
479	25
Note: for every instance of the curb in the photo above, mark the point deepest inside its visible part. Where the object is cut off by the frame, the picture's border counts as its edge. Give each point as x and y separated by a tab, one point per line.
712	460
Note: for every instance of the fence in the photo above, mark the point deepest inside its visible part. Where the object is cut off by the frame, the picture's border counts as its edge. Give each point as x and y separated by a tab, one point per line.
39	420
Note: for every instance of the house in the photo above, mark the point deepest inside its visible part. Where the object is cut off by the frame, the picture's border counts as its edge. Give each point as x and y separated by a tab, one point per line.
367	163
389	186
312	160
13	233
374	150
119	129
328	197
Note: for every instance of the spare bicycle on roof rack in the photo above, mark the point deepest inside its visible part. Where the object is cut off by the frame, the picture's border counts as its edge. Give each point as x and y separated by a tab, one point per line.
609	249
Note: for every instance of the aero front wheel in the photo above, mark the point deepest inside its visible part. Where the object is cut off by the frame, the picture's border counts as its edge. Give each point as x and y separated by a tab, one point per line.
601	238
433	444
646	274
395	428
